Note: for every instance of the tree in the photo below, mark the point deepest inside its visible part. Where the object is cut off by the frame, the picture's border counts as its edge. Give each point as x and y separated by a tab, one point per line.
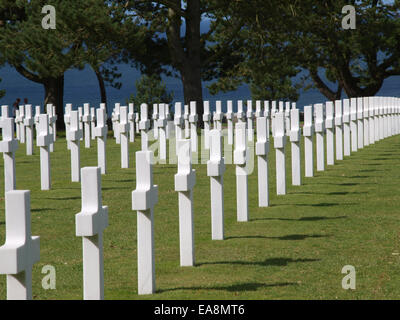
42	55
150	90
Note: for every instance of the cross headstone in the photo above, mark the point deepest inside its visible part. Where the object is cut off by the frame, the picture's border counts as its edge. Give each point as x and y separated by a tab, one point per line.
250	117
92	122
168	125
218	115
319	132
54	122
193	117
36	118
67	120
155	120
273	112
90	223
287	118
266	109
353	124
215	170
115	121
206	120
295	134
131	120
229	119
28	124
51	119
258	112
185	180
8	146
86	124
366	120
330	149
137	121
240	113
100	131
21	123
262	150
346	127
360	123
162	124
144	126
178	121
279	145
240	156
43	140
144	199
381	119
339	129
371	120
17	126
21	250
80	115
308	133
74	136
186	120
123	129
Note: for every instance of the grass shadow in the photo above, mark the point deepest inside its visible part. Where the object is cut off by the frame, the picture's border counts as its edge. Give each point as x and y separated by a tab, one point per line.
287	237
316	218
278	262
42	209
63	199
250	286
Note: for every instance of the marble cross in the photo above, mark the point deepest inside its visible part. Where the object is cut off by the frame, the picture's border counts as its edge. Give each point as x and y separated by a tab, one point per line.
229	118
186	120
240	155
115	120
123	129
215	170
366	120
74	136
185	179
262	150
51	119
92	122
155	122
371	120
308	133
8	146
193	117
131	120
360	123
218	115
86	124
21	123
21	250
319	132
279	145
339	129
100	131
28	124
178	121
346	127
250	117
295	134
162	124
353	124
43	141
67	120
206	120
144	126
90	223
330	150
144	199
240	114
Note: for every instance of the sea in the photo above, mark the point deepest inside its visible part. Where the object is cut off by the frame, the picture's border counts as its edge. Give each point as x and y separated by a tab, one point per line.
81	87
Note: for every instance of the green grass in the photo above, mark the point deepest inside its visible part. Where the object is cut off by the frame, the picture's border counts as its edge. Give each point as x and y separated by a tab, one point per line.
295	249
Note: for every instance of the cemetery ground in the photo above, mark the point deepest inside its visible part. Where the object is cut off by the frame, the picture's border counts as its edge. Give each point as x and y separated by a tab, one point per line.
294	249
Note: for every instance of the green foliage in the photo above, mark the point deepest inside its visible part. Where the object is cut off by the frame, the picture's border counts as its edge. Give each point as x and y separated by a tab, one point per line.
150	89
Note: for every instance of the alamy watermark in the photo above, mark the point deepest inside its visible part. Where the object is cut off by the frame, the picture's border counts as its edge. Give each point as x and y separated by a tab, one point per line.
49	20
349	20
349	281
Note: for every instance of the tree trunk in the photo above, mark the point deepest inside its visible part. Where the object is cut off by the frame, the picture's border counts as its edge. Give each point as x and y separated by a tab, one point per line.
102	86
54	94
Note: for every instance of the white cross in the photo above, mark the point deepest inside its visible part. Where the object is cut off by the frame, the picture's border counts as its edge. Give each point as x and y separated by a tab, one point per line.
43	140
155	118
28	123
193	125
21	123
123	129
240	159
100	131
240	113
178	121
74	135
144	199
115	120
21	250
262	150
215	170
8	146
319	130
360	123
52	120
185	180
186	119
206	120
371	113
90	223
353	124
250	116
92	122
86	123
80	123
137	119
218	115
279	145
308	133
229	119
366	120
131	120
339	129
67	120
161	124
295	134
258	112
144	126
330	157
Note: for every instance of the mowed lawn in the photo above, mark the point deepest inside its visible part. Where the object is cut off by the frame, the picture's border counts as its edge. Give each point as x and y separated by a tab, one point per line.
294	249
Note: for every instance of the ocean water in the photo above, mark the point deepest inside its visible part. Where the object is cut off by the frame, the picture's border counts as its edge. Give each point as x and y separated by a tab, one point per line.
82	87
